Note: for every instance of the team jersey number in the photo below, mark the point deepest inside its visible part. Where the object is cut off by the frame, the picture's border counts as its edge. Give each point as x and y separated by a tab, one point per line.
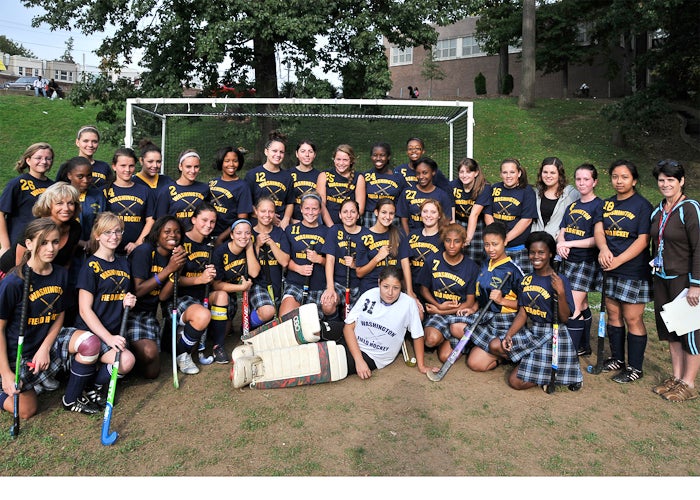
496	192
26	185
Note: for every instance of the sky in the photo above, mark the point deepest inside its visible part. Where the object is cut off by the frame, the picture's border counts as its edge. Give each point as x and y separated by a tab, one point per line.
16	24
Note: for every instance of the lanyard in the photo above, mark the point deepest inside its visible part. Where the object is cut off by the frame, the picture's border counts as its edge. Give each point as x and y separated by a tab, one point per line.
664	219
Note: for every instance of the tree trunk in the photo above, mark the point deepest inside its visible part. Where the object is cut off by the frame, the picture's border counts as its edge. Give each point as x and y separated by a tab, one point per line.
565	79
265	66
527	87
503	67
640	69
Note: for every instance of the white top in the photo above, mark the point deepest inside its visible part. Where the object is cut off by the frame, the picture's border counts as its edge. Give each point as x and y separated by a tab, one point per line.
380	328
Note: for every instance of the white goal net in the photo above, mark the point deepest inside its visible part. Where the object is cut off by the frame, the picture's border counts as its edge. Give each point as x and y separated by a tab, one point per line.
206	124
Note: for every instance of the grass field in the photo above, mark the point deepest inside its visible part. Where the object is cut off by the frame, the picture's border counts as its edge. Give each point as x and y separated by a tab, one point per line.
571	129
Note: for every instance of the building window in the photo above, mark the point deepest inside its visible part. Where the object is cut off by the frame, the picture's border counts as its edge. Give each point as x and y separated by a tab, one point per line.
65	76
20	70
445	49
584	33
470	47
401	56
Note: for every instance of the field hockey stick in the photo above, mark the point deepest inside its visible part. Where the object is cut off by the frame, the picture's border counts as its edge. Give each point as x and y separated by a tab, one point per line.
206	360
549	389
600	352
408	359
245	326
14	430
108	438
436	377
347	278
270	290
307	281
176	382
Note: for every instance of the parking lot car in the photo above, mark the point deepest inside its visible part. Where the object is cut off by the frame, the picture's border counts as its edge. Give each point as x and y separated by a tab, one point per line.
23	82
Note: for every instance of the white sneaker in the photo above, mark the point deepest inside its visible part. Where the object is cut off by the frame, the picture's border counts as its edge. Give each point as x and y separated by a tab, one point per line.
186	365
245	369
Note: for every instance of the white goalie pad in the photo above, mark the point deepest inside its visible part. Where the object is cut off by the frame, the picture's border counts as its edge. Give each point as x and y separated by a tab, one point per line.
300	326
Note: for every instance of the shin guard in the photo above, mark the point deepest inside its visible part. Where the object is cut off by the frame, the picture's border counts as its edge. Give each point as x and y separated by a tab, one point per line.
300	326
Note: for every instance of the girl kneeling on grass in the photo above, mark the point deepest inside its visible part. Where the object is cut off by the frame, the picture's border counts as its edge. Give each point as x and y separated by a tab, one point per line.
375	328
103	293
531	345
45	303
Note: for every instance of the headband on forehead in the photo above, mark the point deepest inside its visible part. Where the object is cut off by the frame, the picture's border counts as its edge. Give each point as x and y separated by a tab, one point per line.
311	195
241	221
87	128
189	154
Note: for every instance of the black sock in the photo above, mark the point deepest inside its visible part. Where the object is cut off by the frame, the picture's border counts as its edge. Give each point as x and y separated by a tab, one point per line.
79	373
616	336
190	337
636	345
576	330
103	375
586	338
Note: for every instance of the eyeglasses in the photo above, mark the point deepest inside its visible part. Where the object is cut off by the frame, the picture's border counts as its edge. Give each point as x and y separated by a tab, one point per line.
670	163
45	158
109	234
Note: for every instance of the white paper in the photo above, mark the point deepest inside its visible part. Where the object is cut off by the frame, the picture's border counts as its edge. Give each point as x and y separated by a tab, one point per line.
679	316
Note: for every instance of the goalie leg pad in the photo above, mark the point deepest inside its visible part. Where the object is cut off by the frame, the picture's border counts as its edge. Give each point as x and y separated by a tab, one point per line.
300	326
301	365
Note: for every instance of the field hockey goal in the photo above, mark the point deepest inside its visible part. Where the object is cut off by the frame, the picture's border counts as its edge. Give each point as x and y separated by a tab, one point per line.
206	124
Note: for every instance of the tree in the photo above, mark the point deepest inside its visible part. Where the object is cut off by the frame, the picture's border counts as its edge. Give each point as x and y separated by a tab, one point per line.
527	87
499	26
67	56
9	47
431	70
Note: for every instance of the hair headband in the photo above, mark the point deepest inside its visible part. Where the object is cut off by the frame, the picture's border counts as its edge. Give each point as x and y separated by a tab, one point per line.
189	154
241	221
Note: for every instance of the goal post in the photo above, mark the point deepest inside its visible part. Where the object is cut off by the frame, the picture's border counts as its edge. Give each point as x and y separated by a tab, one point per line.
206	124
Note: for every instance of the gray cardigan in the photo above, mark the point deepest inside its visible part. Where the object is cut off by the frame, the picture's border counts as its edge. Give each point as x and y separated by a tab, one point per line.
569	196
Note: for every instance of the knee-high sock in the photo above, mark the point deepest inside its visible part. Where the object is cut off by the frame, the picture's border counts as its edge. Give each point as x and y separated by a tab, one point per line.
576	330
636	345
588	319
616	336
217	326
79	373
189	338
104	373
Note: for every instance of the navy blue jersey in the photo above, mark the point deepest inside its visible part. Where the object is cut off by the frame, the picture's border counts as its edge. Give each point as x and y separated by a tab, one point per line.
372	243
422	249
181	201
101	173
108	282
92	202
276	270
579	220
449	282
302	183
465	200
338	243
300	237
491	275
46	302
145	262
16	202
133	205
198	256
623	222
275	185
510	205
339	189
379	185
410	201
160	184
535	294
230	266
229	198
409	176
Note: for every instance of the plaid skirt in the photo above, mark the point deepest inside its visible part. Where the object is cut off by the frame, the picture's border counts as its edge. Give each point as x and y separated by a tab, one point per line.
354	295
369	219
258	297
583	276
492	325
29	379
520	257
475	250
627	290
297	292
532	346
143	325
442	322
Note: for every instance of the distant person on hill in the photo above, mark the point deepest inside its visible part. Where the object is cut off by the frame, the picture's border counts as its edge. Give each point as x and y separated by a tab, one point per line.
40	86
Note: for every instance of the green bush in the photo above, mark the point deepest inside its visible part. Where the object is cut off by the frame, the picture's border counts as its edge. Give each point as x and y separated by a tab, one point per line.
480	84
507	85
